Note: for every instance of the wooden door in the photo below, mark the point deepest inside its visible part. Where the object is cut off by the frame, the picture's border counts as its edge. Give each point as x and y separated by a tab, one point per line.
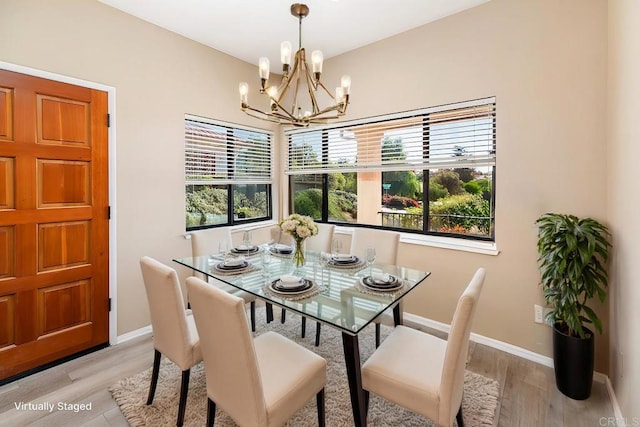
54	238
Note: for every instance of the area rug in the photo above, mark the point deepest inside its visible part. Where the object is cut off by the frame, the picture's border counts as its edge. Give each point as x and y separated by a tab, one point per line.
479	403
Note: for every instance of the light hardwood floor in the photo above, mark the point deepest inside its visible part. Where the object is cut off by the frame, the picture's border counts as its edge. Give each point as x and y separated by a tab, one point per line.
528	396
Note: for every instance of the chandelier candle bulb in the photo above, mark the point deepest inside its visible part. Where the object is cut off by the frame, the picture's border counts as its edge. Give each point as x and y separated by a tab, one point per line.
345	82
316	59
244	90
285	55
263	67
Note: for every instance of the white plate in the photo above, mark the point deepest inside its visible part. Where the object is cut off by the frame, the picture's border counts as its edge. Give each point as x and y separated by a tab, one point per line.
272	289
376	289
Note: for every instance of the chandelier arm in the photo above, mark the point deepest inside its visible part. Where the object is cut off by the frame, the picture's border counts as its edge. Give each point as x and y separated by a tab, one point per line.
327	91
310	88
287	113
261	115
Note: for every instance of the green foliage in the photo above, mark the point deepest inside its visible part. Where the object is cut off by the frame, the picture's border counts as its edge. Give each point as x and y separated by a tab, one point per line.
572	260
466	174
449	180
485	186
472	187
436	190
308	202
203	200
351	182
403	183
343	205
337	181
463	211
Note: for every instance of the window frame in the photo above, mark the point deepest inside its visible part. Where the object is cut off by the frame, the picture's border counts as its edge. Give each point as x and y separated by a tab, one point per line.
230	183
424	113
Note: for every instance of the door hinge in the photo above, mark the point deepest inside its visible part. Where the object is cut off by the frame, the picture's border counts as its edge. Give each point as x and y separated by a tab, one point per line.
108	120
108	212
109	304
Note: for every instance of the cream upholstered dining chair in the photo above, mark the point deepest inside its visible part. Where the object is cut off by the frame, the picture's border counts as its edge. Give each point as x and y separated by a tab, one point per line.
421	372
207	242
321	242
174	332
386	244
257	382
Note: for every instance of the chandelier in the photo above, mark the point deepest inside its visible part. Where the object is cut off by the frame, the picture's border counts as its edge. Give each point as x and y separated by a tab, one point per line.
286	103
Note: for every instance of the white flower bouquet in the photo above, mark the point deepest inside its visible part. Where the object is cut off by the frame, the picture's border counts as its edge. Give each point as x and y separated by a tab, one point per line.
299	227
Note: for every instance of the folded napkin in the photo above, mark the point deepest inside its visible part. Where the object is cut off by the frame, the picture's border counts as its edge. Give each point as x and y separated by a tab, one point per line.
343	257
381	277
280	247
290	281
234	262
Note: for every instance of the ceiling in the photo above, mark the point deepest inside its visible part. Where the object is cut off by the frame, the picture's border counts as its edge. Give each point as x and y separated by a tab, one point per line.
249	29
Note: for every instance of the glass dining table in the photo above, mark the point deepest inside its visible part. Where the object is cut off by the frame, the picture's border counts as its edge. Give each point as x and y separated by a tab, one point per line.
346	294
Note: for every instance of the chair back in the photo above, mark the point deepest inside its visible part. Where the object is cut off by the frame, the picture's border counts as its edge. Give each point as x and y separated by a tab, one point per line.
171	334
230	363
321	242
206	242
386	244
279	236
452	381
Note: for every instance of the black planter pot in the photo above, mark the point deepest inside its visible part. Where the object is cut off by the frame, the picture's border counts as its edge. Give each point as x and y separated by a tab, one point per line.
573	363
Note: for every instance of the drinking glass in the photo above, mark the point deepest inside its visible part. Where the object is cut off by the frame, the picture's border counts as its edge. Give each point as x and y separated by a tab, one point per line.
246	238
371	257
223	249
336	247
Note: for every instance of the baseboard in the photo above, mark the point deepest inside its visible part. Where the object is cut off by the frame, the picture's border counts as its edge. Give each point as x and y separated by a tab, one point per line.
133	334
493	343
621	421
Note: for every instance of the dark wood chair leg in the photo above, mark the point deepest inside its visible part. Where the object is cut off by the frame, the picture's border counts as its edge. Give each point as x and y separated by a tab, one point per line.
320	404
184	389
366	402
377	335
269	307
253	316
154	376
459	417
303	332
211	412
318	326
283	315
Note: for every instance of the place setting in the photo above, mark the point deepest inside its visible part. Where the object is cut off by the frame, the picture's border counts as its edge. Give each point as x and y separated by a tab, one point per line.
246	248
292	287
342	261
281	250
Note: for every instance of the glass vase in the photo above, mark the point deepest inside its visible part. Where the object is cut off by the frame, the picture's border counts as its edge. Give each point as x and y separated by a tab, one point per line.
298	255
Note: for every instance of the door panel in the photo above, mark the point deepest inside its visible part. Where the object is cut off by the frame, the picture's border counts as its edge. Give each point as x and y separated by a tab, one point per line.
53	221
6	114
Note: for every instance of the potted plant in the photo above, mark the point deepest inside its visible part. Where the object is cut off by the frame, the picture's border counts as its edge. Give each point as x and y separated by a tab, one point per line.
573	253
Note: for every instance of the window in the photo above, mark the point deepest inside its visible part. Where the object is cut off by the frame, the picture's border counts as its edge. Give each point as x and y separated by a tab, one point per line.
227	173
429	171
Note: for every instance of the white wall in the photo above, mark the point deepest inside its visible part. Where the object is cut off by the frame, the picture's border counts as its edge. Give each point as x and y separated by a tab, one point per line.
624	202
545	61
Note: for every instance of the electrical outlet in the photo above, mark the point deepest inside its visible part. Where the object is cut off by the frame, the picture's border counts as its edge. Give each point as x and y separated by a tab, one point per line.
538	317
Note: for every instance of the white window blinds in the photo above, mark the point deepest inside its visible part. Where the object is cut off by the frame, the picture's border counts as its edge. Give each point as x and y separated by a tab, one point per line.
455	135
218	153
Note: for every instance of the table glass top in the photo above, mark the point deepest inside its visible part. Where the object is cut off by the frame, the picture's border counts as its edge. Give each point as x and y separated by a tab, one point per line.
338	293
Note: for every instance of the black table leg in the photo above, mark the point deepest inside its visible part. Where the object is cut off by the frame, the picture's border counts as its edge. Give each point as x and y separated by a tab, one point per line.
354	375
269	312
397	314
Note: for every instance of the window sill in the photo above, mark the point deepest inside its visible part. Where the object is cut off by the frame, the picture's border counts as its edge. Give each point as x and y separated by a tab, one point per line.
466	245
